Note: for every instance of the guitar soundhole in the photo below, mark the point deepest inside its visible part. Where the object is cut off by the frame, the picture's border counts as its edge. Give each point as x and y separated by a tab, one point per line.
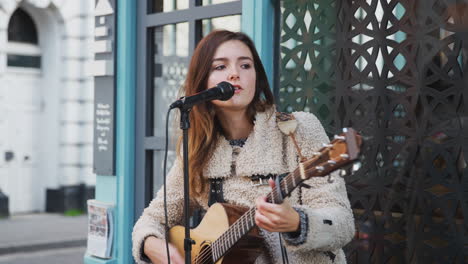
205	256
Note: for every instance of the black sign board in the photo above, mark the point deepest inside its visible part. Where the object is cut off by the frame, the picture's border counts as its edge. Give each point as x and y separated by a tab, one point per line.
104	88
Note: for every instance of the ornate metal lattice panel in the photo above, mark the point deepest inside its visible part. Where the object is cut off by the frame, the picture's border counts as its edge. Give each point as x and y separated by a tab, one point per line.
396	70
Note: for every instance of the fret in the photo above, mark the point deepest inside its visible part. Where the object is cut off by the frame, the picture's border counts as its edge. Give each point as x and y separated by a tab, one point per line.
252	217
244	226
229	238
219	246
302	171
291	181
241	228
226	242
223	243
214	247
232	236
298	179
246	223
233	233
286	190
236	232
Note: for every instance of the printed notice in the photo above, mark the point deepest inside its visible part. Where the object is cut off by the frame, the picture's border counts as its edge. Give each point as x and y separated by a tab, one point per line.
104	150
104	88
100	229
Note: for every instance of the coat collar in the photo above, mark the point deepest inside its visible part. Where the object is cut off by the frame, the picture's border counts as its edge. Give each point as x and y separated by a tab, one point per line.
262	153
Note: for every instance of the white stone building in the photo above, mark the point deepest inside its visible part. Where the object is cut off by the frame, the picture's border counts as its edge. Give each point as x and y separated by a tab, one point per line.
46	103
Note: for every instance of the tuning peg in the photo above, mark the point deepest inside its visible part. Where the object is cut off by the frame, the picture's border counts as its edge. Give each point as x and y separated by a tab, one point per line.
339	137
327	145
342	173
329	179
320	168
344	156
316	153
332	162
345	129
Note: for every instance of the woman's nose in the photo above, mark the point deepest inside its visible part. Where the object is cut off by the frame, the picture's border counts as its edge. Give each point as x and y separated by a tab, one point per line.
233	75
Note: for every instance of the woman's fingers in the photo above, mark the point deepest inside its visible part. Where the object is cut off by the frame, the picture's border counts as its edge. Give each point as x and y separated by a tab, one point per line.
176	258
155	250
275	217
271	182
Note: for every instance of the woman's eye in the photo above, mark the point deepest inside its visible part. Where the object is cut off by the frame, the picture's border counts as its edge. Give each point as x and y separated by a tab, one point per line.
219	67
246	66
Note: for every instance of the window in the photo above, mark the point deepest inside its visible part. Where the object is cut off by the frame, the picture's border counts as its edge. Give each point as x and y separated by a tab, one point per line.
169	31
23	44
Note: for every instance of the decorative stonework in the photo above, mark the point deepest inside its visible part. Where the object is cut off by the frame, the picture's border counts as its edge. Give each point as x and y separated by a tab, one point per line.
64	24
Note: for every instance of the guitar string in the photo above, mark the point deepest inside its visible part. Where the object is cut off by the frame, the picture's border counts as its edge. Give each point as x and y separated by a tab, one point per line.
205	255
202	252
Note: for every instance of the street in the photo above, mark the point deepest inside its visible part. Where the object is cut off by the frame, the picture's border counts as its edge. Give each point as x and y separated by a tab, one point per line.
55	256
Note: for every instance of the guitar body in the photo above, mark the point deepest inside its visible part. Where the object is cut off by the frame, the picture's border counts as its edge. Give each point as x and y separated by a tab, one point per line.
216	221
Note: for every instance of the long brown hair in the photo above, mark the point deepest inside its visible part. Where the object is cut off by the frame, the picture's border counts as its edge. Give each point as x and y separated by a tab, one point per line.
204	129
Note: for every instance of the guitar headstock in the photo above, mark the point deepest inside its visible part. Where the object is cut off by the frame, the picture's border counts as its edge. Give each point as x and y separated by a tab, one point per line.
342	150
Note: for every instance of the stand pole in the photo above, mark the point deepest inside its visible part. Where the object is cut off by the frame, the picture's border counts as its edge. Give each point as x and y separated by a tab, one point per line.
185	125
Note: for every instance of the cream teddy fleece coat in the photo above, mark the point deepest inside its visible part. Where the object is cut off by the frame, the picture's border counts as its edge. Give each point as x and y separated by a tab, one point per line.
267	150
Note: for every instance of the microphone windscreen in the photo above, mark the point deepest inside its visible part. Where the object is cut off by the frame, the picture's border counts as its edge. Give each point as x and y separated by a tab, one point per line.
227	90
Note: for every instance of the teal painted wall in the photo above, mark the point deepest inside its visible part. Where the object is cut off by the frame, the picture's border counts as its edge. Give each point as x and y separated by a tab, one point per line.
119	189
258	22
125	136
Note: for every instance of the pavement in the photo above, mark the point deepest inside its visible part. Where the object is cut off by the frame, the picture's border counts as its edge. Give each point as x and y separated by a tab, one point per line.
37	232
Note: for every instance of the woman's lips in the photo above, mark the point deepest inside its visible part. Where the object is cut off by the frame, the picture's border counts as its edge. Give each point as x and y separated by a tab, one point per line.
237	89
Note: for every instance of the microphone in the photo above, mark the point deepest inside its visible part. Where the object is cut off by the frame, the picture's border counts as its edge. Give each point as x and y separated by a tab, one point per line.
222	91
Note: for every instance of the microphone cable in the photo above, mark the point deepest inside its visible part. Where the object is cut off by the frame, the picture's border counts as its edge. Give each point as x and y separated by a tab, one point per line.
166	226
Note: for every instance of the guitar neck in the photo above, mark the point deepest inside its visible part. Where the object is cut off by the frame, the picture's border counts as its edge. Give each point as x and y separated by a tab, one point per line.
341	151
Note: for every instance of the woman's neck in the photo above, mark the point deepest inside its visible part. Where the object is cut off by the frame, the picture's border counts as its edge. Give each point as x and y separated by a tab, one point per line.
236	125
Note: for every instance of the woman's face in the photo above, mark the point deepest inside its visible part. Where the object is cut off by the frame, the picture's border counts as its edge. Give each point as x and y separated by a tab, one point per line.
233	63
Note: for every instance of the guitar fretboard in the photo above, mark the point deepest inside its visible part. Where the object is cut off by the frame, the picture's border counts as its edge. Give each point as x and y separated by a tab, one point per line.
247	221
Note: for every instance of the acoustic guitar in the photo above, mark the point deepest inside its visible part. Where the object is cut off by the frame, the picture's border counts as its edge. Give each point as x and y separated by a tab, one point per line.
228	234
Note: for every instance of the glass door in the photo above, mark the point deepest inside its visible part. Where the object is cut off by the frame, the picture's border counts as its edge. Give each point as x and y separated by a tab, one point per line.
168	31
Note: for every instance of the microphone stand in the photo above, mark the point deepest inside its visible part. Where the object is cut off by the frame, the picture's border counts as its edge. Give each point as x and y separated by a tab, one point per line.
224	91
185	125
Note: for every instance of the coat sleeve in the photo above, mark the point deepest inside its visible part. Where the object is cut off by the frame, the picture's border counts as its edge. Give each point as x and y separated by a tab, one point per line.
330	222
151	222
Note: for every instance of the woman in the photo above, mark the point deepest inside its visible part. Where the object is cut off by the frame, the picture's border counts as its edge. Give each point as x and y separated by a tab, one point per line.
239	142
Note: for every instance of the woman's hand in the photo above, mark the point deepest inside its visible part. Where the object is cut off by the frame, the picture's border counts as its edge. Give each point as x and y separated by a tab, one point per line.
155	250
276	217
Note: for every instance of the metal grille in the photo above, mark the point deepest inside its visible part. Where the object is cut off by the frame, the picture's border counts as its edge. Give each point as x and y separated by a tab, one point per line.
396	71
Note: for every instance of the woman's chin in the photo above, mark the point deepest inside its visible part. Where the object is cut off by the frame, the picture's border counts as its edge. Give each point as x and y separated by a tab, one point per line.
232	106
